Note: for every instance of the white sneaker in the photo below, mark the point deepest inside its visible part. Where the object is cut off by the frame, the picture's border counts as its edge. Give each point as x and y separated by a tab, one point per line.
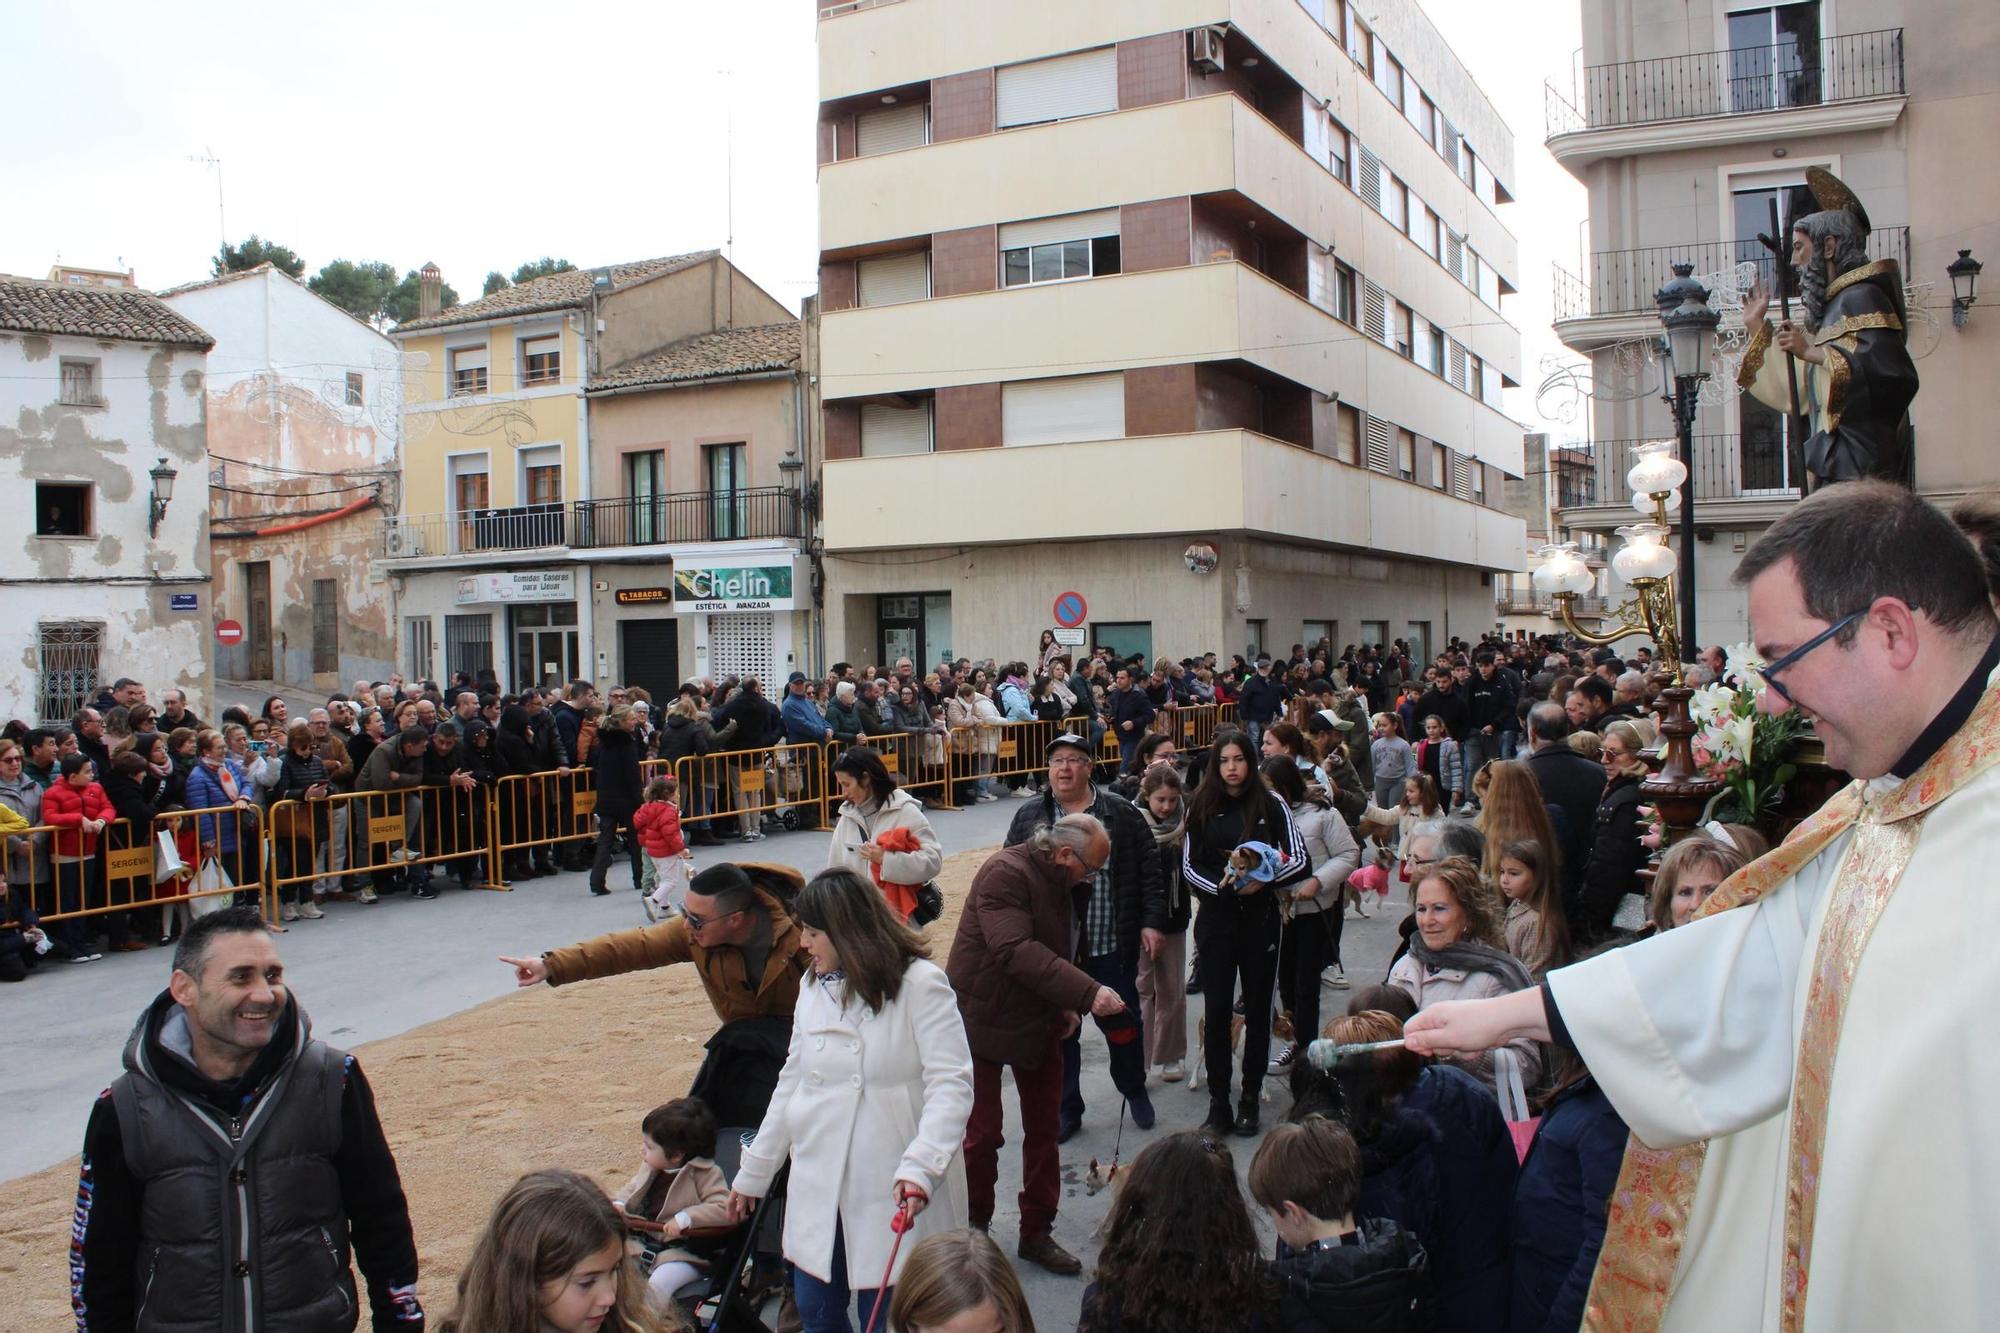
1023	793
1173	1071
368	896
310	911
289	912
405	854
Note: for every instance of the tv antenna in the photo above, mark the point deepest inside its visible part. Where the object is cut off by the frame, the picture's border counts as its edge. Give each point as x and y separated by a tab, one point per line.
207	158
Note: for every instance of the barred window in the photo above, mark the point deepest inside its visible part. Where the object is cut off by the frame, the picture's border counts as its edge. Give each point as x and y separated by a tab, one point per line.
69	652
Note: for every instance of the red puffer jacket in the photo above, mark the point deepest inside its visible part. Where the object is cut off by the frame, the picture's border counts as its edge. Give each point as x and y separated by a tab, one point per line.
658	825
67	807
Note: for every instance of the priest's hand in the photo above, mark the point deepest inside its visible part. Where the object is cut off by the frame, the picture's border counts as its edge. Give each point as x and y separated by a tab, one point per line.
1466	1027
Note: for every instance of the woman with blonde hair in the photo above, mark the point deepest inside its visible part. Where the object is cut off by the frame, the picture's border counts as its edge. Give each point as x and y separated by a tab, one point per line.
1514	810
1688	873
959	1282
1616	856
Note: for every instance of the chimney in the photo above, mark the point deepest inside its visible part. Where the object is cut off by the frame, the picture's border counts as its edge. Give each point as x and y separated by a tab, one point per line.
430	298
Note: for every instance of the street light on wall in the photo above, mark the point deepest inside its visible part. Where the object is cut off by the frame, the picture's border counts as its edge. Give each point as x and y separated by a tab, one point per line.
163	491
1964	272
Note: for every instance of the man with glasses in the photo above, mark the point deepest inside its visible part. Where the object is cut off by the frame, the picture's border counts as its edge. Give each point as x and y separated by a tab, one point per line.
1826	1193
737	930
1021	997
1124	916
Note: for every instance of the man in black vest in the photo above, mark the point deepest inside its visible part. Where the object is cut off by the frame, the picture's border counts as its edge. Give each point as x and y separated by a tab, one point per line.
233	1133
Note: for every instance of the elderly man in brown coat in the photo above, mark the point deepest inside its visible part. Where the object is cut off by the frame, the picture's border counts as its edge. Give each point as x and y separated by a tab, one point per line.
1020	994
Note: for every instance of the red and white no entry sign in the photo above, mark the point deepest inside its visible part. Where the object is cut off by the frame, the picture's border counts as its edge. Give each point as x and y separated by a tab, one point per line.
228	632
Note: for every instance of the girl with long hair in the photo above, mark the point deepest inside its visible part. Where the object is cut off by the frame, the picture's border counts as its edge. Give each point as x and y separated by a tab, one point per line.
1513	811
552	1258
1180	1249
1162	980
1535	928
1236	931
870	1107
959	1282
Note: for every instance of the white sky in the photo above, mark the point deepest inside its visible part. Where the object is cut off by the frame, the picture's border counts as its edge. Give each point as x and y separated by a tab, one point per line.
483	137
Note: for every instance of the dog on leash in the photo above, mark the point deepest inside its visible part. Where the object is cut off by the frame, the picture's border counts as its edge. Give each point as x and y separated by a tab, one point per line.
1236	1021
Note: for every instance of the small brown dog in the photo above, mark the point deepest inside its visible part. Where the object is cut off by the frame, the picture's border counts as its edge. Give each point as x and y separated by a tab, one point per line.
1198	1065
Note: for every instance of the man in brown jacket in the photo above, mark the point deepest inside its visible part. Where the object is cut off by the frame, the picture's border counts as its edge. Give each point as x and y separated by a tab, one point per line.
737	927
1020	994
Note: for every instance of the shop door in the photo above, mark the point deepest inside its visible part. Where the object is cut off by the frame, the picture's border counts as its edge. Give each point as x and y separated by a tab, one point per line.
257	625
649	656
545	644
899	630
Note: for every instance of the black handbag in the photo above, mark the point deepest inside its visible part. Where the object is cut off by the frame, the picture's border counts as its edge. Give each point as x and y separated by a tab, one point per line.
930	904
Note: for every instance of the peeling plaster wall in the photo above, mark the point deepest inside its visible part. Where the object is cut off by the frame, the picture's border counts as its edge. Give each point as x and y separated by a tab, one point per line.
151	406
285	443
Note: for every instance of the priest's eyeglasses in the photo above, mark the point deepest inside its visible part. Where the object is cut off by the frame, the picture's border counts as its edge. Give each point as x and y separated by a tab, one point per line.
1770	673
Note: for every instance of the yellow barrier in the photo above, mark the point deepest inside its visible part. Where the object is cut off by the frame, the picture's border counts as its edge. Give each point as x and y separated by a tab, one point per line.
545	809
921	763
746	785
380	831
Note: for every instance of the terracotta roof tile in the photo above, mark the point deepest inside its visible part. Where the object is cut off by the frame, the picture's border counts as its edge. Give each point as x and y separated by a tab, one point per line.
708	356
557	291
30	305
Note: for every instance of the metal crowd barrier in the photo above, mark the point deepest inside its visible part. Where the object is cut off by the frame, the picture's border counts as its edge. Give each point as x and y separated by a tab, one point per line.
749	784
921	762
126	872
370	832
545	809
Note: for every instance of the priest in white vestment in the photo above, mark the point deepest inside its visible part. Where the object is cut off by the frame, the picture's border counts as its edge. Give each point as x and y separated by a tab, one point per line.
1809	1068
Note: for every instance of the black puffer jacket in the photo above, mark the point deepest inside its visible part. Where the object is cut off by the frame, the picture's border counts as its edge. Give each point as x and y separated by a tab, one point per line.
1615	857
1136	887
1370	1282
614	763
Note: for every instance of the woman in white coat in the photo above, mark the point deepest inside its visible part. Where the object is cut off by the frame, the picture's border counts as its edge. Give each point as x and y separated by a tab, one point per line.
871	805
870	1107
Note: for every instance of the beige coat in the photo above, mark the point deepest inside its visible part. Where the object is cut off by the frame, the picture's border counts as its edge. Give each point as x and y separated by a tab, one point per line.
1522	926
1428	988
855	827
697	1189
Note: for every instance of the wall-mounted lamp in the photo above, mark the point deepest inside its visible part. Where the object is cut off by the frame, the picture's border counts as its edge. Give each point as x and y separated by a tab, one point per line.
163	491
1964	272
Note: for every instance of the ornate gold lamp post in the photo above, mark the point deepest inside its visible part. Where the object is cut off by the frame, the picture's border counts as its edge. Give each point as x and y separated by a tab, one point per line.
1647	563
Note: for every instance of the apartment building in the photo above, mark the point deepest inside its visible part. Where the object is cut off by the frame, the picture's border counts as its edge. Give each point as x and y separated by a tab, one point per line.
588	458
1688	122
1188	307
1554	478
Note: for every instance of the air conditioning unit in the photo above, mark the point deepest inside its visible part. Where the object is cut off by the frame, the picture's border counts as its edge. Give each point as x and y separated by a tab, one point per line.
405	542
1205	49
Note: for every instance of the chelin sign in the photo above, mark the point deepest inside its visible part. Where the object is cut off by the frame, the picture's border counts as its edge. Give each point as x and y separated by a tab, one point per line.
733	588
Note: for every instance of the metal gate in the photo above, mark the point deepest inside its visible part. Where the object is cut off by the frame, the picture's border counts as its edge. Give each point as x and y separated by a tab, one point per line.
468	644
257	585
741	645
69	656
326	625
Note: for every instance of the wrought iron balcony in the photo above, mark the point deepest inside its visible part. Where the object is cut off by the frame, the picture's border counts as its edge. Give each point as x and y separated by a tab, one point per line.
658	520
1508	603
1745	80
1726	467
1622	282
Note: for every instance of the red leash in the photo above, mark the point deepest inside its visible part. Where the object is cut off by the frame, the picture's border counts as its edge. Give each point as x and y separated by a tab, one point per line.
899	1224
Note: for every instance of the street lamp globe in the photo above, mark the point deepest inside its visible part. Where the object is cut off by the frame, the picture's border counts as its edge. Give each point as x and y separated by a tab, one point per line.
1645	554
1655	470
1690	323
1562	571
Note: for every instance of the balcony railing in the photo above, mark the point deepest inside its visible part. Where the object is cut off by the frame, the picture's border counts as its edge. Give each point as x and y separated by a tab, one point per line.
1726	467
1622	282
658	520
1731	83
1540	603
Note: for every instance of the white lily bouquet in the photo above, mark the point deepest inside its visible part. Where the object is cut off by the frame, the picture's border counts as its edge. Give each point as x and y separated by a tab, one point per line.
1741	746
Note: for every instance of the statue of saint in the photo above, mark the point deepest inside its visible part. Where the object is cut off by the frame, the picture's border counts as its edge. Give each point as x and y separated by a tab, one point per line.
1847	366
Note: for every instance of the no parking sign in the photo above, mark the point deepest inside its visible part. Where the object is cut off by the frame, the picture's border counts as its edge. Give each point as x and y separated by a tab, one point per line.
1070	609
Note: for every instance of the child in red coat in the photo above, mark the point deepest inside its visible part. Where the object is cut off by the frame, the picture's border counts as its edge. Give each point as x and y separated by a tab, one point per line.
78	809
657	826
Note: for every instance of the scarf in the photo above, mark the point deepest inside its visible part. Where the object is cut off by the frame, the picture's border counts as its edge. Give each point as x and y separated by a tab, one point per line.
1472	956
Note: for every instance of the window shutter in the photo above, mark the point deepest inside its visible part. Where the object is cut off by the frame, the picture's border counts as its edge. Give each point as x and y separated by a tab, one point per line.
887	431
1347	441
892	128
1461	475
895	278
1057	411
1449	145
1454	254
1082	84
1378	436
1067	227
1317	132
468	358
1319	279
1370	182
1458	375
1374	312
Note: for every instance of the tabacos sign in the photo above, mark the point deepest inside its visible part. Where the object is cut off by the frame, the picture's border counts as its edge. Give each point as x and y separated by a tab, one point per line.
733	588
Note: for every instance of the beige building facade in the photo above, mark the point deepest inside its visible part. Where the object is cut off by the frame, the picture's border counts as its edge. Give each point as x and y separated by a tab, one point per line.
1688	121
1189	308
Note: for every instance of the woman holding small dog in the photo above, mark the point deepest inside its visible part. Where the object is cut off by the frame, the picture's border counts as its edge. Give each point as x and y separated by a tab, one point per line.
1242	846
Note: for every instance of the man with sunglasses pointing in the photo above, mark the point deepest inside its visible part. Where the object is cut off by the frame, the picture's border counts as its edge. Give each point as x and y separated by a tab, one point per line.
1804	1067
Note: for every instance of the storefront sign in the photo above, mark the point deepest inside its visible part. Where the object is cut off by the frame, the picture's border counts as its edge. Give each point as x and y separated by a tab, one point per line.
642	596
733	588
519	585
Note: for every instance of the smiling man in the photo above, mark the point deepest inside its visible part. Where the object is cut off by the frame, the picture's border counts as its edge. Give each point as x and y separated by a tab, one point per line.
237	1164
1797	1192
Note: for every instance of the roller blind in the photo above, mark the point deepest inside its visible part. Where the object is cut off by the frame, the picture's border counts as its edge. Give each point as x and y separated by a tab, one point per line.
468	358
891	128
887	431
1067	227
1081	407
1082	84
895	278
